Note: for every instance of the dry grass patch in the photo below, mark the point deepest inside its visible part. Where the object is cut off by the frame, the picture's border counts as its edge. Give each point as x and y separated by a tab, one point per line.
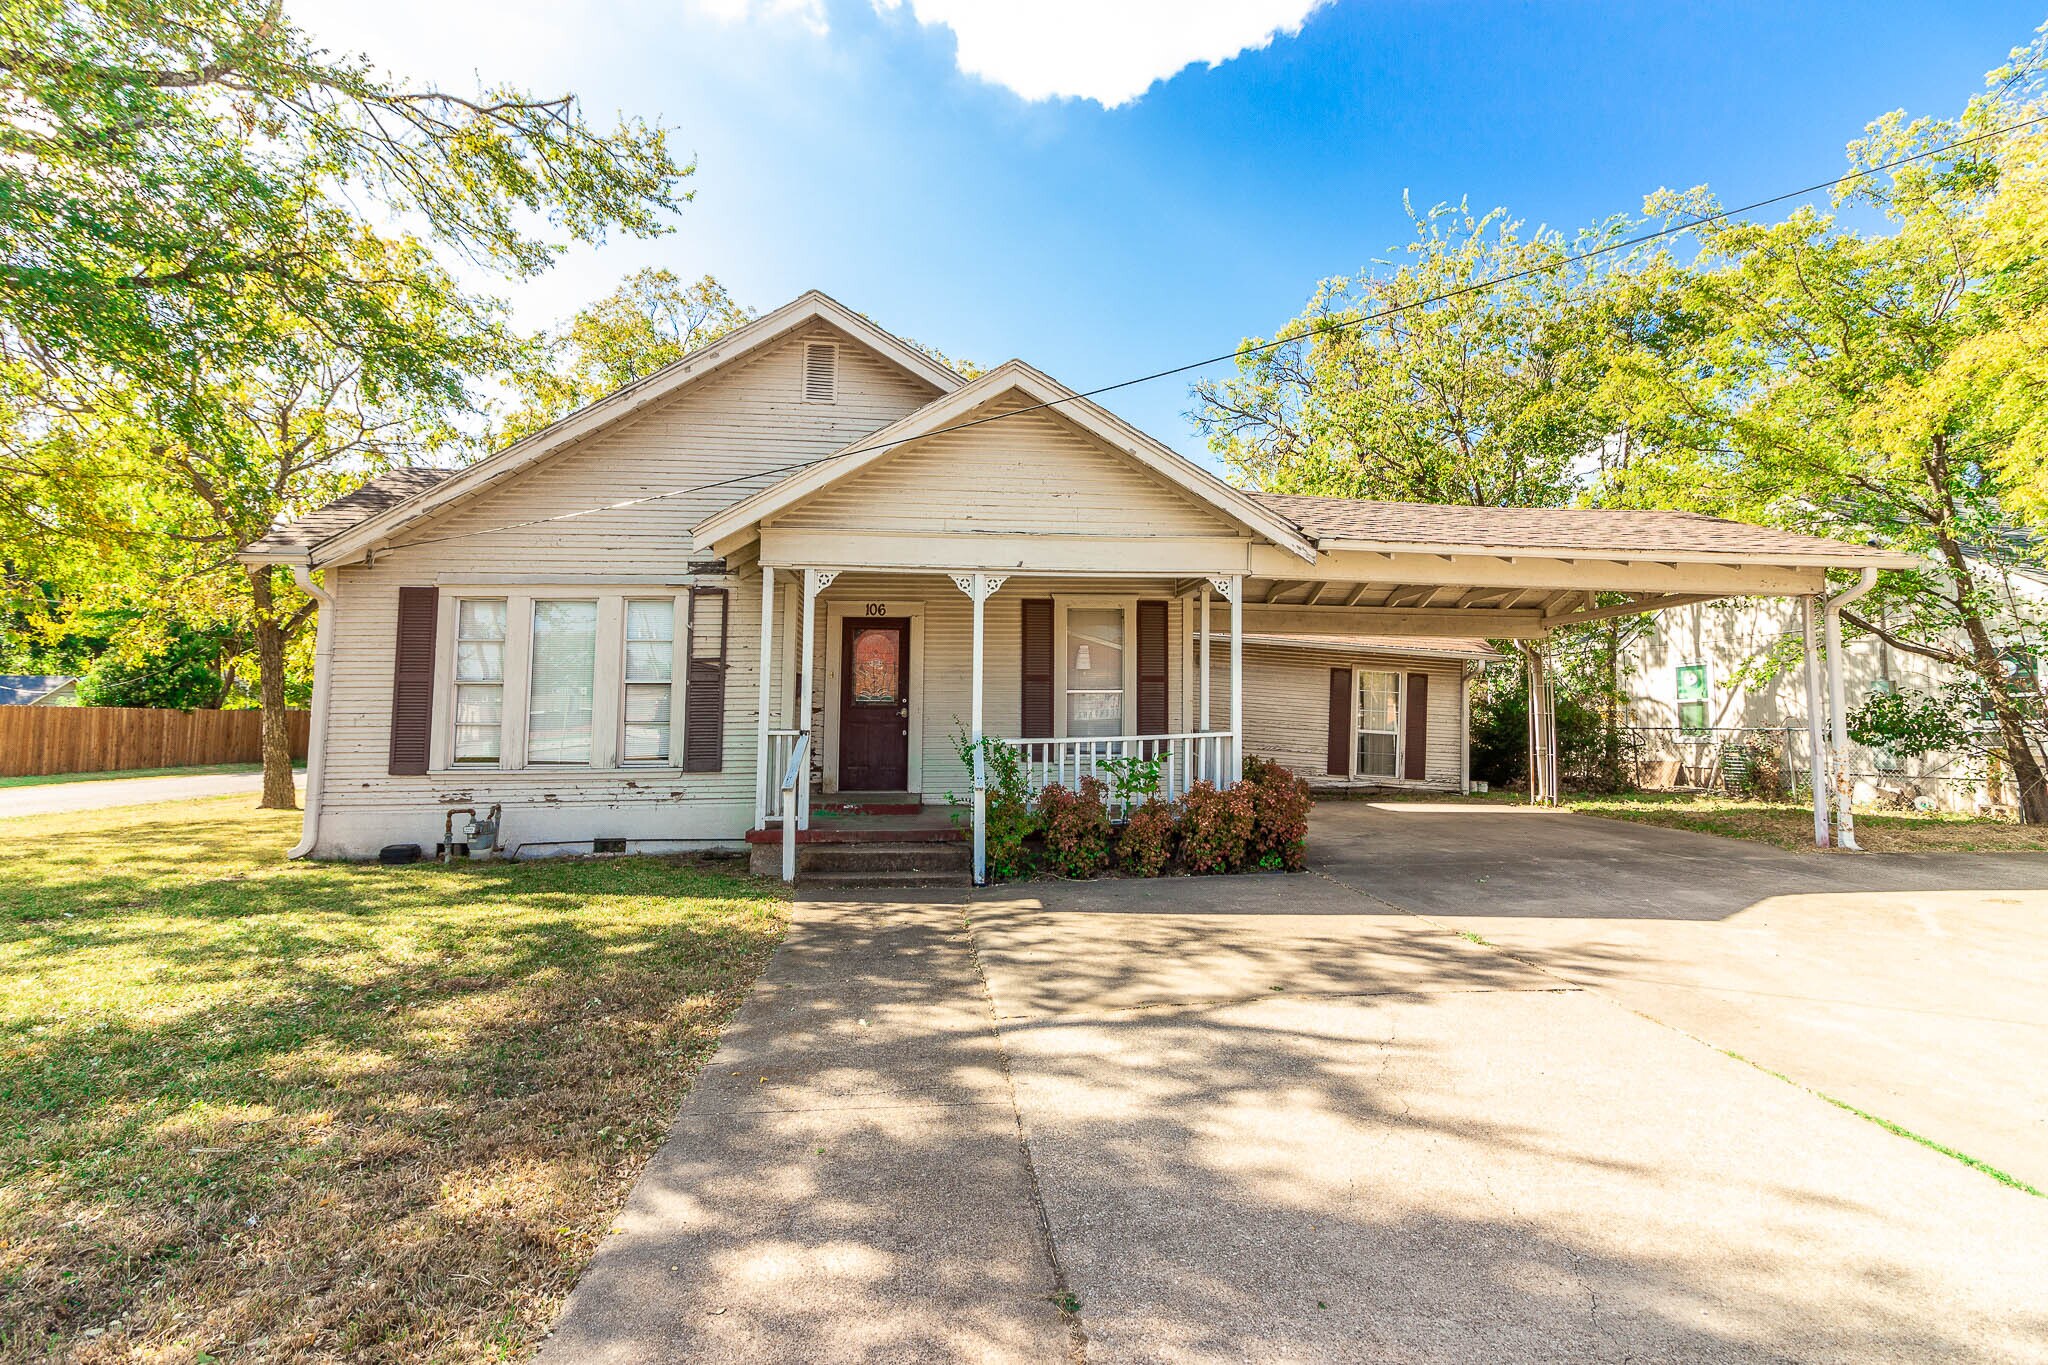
1790	825
290	1112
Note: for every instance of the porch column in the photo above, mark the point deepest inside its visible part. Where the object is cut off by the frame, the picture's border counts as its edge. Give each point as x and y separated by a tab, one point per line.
815	582
978	587
764	780
1233	588
1816	765
1204	727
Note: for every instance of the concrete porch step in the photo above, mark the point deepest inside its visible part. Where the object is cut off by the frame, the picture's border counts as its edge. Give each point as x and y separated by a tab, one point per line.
896	862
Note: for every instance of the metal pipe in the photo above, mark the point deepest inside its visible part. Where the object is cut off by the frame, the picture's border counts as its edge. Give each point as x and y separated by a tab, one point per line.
1816	767
323	684
1845	818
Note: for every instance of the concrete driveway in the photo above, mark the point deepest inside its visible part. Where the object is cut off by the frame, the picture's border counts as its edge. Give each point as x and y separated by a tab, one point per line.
1914	987
1273	1118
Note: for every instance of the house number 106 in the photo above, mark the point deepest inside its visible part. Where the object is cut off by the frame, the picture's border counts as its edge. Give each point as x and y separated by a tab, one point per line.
878	608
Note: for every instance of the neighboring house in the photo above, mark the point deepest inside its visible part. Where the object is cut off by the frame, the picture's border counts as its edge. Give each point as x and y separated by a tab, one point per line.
1695	690
794	568
28	689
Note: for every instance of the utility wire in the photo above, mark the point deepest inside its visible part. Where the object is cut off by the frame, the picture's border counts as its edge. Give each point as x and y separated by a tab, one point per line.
1327	328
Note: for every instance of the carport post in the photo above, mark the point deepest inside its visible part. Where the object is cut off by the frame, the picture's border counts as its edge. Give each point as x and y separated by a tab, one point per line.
1816	767
1845	817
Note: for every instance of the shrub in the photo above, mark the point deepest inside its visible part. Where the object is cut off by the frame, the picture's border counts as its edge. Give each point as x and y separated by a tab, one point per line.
1146	845
1076	826
1133	780
1280	806
1214	828
1010	819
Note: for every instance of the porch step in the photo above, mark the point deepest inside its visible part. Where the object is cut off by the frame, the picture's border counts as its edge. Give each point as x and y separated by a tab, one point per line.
868	803
871	862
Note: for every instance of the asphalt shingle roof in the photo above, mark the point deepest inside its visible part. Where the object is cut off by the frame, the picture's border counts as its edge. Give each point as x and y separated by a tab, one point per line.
384	491
1563	530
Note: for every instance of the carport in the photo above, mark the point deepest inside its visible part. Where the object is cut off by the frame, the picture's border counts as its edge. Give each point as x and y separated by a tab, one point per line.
1511	573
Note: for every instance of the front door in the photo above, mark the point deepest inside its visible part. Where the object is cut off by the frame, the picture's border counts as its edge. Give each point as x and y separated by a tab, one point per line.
874	705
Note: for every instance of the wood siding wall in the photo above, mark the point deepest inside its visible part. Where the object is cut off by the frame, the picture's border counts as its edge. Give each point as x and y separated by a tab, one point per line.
38	741
742	425
1029	474
1287	707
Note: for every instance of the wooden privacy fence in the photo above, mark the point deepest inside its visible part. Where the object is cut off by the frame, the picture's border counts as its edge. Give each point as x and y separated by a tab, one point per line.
40	740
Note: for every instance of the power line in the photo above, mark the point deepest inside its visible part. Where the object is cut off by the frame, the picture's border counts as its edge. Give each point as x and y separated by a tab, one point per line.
1327	328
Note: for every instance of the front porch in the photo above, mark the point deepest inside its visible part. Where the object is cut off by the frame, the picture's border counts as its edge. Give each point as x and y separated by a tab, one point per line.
891	679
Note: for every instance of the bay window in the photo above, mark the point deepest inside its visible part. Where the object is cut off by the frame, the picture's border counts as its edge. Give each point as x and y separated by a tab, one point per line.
1379	723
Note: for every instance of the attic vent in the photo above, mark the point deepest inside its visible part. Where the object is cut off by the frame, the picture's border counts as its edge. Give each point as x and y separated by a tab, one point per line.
820	372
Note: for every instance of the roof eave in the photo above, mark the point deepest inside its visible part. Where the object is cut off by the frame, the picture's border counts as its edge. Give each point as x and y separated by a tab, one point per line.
1853	558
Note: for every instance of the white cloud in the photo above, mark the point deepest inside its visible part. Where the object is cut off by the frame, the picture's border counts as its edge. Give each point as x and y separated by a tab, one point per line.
1109	51
809	13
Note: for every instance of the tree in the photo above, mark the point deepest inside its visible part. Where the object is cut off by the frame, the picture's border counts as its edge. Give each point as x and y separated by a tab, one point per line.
1418	382
651	319
206	319
1883	384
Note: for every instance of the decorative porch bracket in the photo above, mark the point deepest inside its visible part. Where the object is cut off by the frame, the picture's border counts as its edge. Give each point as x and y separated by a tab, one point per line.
979	587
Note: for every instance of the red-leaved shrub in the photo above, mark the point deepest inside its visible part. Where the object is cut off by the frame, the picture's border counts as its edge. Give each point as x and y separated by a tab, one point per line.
1146	845
1214	828
1076	828
1280	806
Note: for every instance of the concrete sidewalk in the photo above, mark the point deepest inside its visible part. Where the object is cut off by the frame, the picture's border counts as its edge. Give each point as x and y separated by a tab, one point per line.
89	793
846	1180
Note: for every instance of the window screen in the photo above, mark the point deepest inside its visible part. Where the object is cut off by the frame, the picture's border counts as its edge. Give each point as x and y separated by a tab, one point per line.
479	680
1095	671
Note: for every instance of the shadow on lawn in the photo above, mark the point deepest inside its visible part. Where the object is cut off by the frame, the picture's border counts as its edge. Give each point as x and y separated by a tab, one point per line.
306	1110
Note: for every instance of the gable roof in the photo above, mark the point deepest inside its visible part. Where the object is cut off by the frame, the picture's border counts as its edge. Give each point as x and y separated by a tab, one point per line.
951	412
25	689
1433	528
365	529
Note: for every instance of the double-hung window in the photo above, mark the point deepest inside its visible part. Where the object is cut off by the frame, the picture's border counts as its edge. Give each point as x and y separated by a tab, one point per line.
562	694
1379	723
650	678
1094	680
479	680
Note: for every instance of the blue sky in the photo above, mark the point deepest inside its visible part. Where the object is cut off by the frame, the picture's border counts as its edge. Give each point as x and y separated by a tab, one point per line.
841	144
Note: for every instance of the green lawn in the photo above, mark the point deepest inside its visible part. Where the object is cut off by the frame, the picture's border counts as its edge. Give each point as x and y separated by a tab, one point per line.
256	1109
1790	824
200	770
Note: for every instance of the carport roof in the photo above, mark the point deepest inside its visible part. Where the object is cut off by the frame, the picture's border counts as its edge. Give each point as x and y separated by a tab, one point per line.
1378	644
1354	524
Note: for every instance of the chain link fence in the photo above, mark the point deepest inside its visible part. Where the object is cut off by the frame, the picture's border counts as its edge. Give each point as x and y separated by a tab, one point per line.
1776	763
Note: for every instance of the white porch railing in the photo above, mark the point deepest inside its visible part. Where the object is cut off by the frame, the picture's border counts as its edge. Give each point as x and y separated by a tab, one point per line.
1184	759
781	744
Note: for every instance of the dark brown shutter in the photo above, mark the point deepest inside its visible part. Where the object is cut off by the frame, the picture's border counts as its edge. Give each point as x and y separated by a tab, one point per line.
1035	710
1338	756
1151	668
704	683
412	680
1415	762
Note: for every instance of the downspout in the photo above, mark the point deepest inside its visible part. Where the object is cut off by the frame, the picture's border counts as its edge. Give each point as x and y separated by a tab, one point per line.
323	682
1845	818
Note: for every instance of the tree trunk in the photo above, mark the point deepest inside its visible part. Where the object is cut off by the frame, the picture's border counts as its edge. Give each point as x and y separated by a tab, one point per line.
2019	751
278	793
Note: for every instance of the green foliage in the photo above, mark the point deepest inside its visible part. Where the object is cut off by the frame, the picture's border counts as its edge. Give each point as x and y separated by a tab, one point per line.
1911	723
1077	829
1589	751
1486	397
1215	828
1133	779
1753	767
1010	820
1145	845
652	319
